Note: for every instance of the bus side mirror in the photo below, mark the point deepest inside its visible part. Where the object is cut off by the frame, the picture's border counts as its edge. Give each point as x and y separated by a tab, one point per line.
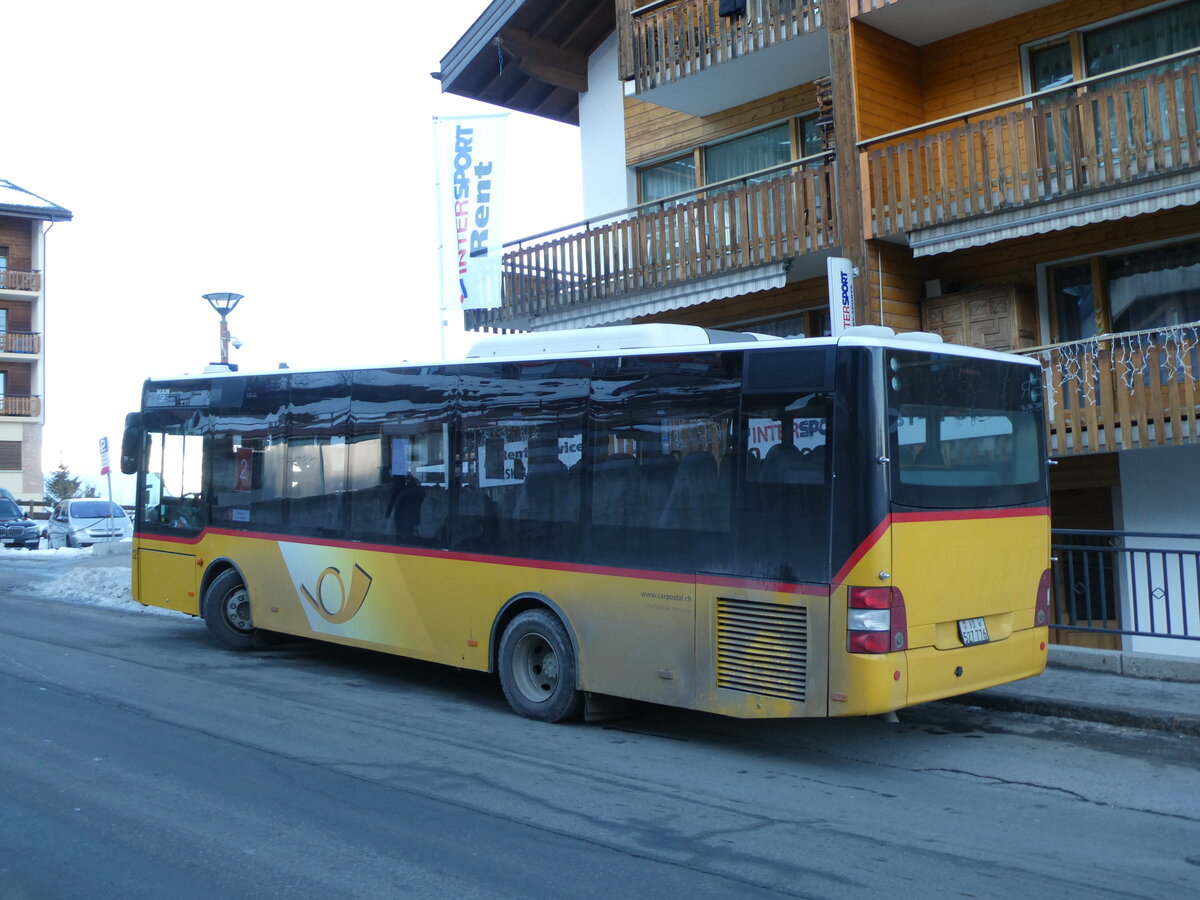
130	444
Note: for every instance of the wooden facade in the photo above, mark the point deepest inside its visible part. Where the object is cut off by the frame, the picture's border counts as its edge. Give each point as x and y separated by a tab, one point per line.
1077	142
939	134
654	132
733	228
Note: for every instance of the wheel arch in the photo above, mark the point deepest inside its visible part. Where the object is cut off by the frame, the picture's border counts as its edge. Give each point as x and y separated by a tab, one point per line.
213	571
518	604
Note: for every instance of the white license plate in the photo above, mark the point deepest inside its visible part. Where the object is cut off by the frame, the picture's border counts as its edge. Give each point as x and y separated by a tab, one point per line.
972	631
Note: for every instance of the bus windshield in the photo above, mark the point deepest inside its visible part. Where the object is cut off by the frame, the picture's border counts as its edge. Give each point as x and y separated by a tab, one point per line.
964	432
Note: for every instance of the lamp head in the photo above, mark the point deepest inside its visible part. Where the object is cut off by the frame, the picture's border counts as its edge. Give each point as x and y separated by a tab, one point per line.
223	303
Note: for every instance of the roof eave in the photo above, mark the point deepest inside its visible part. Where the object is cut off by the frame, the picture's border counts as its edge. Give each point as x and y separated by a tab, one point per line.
57	214
481	33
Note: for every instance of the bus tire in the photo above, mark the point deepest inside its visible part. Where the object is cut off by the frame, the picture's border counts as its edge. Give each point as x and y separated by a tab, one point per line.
537	668
226	611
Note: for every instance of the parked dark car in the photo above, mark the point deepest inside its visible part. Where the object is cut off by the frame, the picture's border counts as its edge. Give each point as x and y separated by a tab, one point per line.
16	528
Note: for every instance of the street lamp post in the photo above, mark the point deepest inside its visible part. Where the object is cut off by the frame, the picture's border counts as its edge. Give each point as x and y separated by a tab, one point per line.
223	304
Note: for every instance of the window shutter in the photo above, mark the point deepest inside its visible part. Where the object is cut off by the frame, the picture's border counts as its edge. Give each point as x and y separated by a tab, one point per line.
10	455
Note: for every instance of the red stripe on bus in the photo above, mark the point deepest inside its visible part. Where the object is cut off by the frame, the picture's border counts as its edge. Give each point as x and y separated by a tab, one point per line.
959	515
429	553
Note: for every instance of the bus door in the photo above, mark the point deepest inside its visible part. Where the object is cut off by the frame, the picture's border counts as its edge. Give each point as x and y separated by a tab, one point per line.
171	513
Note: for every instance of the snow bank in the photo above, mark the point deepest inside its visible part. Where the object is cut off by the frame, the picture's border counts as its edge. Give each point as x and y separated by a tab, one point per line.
98	586
61	553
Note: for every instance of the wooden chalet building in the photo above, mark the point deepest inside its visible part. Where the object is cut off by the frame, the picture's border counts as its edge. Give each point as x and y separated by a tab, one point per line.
23	218
1021	175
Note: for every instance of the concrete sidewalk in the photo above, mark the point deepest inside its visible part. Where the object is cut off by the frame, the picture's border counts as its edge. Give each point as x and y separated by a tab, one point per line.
1106	686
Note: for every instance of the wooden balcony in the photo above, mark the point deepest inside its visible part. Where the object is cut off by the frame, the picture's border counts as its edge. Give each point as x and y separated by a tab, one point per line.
20	342
1124	129
20	280
20	405
724	229
672	39
1123	391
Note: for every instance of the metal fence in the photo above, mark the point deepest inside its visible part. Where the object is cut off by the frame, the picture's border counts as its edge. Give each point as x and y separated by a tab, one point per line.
1145	584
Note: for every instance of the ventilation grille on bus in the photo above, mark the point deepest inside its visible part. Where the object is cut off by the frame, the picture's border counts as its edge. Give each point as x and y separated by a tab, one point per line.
762	648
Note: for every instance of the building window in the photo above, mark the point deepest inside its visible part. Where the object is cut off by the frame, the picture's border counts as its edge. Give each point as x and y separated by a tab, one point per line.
10	455
1140	39
1126	292
733	158
676	176
749	153
1106	48
1051	66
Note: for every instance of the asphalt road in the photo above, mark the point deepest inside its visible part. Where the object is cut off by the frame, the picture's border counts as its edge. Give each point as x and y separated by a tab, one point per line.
139	760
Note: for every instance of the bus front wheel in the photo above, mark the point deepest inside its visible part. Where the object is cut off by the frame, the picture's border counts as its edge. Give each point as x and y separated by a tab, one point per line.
538	668
226	611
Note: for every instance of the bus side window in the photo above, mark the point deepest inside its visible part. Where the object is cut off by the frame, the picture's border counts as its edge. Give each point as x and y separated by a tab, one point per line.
520	452
784	508
174	472
661	481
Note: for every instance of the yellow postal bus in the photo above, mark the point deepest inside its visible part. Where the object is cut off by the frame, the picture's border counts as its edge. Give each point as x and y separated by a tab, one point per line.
717	521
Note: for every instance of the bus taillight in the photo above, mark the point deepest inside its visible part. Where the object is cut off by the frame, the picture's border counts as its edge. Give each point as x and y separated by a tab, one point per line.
1041	612
875	620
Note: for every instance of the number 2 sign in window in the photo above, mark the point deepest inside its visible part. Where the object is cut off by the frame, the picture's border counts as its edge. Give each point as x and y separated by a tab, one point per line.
243	464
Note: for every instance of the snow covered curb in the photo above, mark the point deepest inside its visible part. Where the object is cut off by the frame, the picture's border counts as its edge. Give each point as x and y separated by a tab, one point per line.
104	586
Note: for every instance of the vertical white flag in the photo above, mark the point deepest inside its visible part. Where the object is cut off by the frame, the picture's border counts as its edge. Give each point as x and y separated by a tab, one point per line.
841	294
471	167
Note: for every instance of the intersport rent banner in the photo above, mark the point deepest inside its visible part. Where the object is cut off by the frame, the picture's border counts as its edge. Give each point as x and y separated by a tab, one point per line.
471	168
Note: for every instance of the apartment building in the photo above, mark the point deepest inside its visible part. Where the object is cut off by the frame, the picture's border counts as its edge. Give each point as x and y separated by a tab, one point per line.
24	220
1017	174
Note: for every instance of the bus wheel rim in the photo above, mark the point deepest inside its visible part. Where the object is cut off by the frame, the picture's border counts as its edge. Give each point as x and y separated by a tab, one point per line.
237	610
535	668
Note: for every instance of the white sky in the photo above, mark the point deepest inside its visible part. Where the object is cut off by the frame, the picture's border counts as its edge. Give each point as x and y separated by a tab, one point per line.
281	150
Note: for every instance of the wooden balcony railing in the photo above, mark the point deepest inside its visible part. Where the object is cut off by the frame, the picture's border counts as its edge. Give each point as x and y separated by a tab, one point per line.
1123	391
672	39
20	405
20	342
20	280
725	228
1099	133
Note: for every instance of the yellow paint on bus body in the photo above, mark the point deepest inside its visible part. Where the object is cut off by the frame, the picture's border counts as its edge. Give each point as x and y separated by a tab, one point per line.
727	645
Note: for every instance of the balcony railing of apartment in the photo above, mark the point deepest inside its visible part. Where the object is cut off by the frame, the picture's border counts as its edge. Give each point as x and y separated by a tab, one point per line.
767	216
20	405
20	342
1131	583
1123	391
676	38
1118	128
20	280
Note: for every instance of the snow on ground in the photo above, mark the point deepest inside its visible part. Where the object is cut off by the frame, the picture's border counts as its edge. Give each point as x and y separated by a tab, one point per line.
94	585
60	553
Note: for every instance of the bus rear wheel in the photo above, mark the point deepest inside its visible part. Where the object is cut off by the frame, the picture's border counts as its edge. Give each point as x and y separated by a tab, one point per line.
226	611
537	668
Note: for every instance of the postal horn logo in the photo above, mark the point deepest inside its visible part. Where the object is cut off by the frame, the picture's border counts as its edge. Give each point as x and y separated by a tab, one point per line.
347	603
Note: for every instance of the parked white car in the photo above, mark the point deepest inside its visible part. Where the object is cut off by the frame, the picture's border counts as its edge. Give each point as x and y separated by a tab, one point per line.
86	521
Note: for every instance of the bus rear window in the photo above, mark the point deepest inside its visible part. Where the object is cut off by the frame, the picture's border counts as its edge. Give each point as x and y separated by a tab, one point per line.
964	432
